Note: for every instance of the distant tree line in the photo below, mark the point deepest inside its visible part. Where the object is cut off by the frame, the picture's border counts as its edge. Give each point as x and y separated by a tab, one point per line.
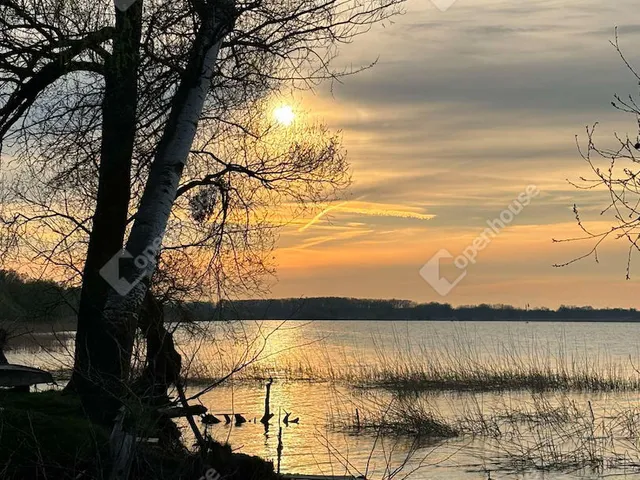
43	300
24	299
338	308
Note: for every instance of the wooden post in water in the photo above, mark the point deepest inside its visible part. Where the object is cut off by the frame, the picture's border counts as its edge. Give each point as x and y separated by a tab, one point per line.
280	448
267	411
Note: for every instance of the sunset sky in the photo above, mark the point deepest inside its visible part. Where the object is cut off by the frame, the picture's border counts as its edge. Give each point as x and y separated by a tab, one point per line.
463	110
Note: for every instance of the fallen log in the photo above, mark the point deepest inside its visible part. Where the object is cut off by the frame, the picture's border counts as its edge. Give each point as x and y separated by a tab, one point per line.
175	412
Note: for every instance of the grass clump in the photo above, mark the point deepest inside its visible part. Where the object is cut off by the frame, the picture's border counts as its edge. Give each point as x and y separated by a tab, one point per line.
401	417
46	435
414	418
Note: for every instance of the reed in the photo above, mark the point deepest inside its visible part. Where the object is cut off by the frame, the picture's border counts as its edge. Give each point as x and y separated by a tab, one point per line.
455	364
401	417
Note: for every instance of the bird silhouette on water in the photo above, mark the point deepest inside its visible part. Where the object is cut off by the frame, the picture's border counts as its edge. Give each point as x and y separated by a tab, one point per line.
209	419
286	420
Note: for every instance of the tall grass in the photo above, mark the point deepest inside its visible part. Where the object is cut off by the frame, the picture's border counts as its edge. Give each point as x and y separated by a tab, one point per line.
452	364
559	433
398	416
465	364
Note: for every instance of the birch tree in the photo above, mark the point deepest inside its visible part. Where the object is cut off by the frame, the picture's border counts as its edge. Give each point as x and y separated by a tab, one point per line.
119	104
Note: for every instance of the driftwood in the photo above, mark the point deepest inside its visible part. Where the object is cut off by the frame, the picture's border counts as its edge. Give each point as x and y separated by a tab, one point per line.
185	403
176	412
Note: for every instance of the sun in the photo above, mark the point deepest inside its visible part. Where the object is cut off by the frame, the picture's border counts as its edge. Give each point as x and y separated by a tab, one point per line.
284	115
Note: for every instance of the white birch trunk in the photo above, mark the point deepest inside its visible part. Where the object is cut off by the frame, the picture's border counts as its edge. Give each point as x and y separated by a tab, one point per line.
121	312
160	191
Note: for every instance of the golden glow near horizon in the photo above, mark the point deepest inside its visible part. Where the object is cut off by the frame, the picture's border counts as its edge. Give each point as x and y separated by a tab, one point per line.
439	146
284	115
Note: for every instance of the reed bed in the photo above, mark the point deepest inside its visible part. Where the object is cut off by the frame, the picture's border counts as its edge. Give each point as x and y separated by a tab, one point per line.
561	434
398	417
455	364
465	364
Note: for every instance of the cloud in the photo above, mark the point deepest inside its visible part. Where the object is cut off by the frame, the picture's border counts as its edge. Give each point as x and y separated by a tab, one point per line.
463	110
359	208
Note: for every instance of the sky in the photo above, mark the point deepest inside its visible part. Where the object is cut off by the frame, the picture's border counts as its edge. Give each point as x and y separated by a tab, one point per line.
464	109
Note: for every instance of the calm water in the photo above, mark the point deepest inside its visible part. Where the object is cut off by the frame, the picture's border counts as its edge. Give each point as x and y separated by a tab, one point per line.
303	356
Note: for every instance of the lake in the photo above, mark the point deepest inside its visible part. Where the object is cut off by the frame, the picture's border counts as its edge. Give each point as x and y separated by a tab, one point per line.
326	371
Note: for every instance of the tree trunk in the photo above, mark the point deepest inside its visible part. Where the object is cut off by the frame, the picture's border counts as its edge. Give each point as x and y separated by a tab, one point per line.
3	344
121	312
163	362
94	349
